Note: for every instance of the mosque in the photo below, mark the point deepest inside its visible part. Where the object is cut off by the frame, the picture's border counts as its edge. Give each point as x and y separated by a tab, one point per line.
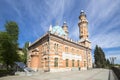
55	51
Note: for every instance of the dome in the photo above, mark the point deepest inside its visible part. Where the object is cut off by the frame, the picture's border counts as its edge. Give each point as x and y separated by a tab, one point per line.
58	30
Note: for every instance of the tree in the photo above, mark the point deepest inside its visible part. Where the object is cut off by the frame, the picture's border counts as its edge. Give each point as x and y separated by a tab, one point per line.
9	44
25	50
13	30
99	56
108	62
103	59
3	40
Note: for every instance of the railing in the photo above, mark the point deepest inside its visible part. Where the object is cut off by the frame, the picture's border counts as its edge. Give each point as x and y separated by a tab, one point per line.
116	70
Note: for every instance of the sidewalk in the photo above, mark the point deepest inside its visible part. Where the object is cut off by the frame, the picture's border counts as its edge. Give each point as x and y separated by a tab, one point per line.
94	74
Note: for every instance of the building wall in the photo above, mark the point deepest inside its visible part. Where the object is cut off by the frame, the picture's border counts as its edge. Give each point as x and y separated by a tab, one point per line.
66	52
47	51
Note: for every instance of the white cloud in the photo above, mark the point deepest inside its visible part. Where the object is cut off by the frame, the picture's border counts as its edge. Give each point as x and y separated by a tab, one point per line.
43	13
102	19
74	33
101	11
108	40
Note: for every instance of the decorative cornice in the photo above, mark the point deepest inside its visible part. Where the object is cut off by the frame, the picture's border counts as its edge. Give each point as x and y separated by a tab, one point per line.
58	38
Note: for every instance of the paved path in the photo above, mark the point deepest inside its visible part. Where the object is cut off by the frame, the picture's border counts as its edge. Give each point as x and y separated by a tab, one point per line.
94	74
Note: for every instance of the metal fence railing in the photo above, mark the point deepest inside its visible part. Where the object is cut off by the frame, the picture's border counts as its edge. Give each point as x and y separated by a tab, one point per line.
116	70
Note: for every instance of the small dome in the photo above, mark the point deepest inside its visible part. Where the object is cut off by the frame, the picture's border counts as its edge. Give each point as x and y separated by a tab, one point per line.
58	30
82	13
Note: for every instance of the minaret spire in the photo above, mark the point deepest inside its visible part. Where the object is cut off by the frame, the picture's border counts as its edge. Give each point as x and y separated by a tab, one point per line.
83	25
65	28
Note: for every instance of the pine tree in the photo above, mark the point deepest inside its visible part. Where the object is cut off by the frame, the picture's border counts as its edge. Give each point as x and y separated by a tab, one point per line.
108	62
99	57
103	59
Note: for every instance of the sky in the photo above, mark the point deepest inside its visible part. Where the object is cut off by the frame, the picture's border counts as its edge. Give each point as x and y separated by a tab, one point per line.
35	16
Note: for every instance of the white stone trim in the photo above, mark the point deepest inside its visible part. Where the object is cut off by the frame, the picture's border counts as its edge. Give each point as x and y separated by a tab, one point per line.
35	69
83	68
55	56
71	56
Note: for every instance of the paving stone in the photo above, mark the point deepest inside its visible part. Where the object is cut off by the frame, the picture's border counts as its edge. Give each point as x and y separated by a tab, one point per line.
94	74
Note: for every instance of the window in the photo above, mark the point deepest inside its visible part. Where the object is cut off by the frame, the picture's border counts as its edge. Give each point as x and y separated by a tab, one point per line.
78	63
84	63
42	48
67	63
56	62
72	63
56	48
46	62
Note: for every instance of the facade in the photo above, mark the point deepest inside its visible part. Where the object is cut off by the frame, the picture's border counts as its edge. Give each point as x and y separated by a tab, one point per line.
55	51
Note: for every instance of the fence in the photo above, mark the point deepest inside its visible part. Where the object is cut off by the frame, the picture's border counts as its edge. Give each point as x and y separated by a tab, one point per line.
116	70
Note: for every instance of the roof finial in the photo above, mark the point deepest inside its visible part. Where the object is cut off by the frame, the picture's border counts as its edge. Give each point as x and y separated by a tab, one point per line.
82	13
50	28
82	10
64	23
64	20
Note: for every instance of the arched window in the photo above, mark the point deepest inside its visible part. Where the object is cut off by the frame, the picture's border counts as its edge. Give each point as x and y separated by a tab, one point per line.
56	62
84	63
56	48
72	63
67	64
78	63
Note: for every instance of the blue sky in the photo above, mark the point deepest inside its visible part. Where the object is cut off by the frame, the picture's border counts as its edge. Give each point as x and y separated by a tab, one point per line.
35	16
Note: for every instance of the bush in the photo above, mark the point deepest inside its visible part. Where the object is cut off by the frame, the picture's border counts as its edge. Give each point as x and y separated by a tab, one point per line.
6	72
3	72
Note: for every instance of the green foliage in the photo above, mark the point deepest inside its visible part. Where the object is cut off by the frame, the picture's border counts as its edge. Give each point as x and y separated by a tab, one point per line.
13	30
103	59
25	50
108	62
99	57
9	44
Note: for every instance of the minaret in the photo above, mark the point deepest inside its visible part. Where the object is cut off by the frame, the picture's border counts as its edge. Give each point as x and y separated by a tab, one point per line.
83	29
65	28
83	26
